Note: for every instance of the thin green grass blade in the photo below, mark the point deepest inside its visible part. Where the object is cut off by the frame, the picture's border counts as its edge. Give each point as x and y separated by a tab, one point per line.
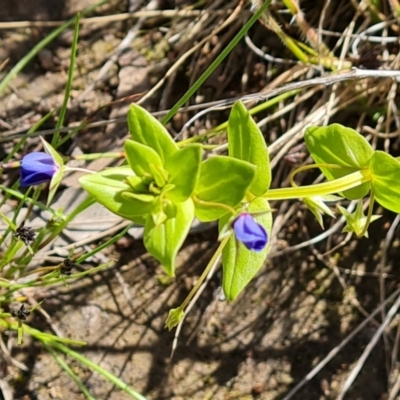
87	202
63	110
21	64
44	337
12	287
104	245
95	367
214	65
66	219
16	211
23	140
67	137
69	371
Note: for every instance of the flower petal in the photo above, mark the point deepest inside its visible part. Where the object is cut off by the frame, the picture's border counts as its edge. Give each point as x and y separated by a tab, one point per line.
250	233
38	156
36	168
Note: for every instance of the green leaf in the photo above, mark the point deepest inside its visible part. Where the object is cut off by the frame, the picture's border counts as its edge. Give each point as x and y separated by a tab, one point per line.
247	143
146	198
223	180
240	265
164	241
317	206
345	147
356	221
53	153
55	183
184	168
140	157
145	129
385	171
57	177
175	316
107	188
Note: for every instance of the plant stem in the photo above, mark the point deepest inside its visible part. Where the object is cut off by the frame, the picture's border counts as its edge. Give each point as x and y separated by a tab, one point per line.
338	185
96	367
203	276
369	215
213	204
63	110
96	156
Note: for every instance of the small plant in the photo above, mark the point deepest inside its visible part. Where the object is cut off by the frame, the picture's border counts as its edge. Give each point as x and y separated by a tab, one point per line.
165	187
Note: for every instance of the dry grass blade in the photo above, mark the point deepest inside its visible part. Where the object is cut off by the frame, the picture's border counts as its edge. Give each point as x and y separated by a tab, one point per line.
111	18
125	43
190	52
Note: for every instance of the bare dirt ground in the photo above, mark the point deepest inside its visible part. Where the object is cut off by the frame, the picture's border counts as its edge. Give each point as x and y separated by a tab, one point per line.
299	307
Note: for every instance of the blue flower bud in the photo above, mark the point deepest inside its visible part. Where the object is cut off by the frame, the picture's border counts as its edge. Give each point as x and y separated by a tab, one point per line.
36	168
249	232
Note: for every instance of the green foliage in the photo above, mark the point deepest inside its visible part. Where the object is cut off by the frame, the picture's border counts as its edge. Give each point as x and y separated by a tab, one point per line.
356	221
108	188
166	185
57	177
239	264
164	240
247	143
341	146
145	129
184	168
155	189
141	158
175	316
385	171
222	184
318	207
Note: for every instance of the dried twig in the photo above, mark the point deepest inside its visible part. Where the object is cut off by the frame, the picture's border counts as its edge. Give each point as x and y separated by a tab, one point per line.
355	73
111	18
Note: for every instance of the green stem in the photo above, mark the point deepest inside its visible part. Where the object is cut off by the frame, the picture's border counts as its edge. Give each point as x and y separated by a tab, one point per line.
96	156
60	344
68	218
337	185
203	276
42	336
216	62
96	367
21	64
70	169
213	204
63	110
105	245
369	215
314	166
70	372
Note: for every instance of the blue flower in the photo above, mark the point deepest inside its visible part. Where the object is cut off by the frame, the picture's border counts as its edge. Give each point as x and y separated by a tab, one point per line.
249	232
36	168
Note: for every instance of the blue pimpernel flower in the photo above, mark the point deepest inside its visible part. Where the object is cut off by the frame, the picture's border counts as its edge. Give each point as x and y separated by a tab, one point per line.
249	232
36	168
